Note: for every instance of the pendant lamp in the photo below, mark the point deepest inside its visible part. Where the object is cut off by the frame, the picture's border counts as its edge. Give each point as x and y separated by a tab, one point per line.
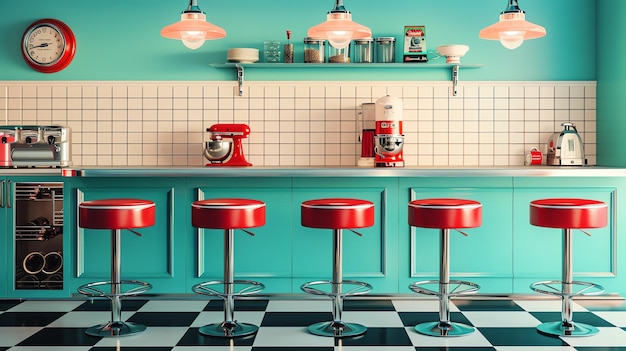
512	29
193	29
339	29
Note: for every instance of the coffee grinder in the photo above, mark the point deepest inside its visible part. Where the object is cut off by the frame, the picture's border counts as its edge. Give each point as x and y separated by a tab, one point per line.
388	137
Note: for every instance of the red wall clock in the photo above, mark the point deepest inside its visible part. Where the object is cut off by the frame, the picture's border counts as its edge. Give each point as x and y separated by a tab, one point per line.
48	45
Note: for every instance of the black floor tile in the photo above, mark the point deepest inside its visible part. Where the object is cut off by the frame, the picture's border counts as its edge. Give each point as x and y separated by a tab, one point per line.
6	304
105	305
164	319
580	317
410	319
519	337
377	337
60	337
28	319
294	319
487	305
240	305
193	338
367	305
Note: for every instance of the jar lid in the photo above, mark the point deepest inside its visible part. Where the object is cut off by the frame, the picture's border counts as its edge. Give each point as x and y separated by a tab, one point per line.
363	41
385	39
309	40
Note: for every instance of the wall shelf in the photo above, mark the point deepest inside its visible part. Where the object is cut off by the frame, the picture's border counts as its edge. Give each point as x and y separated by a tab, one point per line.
240	67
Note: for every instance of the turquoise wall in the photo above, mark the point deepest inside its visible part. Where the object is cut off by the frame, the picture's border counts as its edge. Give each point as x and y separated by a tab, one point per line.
611	74
119	39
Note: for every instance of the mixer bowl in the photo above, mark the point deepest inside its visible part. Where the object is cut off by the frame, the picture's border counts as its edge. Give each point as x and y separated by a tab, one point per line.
389	144
217	150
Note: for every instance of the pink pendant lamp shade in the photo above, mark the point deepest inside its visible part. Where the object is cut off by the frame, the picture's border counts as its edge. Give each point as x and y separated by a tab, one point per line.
193	29
512	29
339	29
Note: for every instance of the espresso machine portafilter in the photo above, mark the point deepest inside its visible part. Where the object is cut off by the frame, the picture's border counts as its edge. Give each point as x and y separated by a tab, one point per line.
224	147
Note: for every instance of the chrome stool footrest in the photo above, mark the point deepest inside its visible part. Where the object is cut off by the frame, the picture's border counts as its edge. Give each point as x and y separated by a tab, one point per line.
94	289
554	287
249	287
460	288
358	288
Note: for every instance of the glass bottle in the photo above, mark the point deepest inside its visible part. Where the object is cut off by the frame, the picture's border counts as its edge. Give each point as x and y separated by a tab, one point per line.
385	49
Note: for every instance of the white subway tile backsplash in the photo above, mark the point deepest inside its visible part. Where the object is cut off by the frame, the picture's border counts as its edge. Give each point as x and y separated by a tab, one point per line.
302	123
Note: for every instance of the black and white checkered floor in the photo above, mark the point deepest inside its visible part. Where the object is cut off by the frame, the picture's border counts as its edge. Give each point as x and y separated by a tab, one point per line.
502	325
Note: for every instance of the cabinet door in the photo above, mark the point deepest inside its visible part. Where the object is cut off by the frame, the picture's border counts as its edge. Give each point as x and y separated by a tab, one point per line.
371	258
264	257
538	250
6	238
484	256
155	256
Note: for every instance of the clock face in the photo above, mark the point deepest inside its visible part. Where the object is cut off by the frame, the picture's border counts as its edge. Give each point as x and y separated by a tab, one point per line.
48	45
44	44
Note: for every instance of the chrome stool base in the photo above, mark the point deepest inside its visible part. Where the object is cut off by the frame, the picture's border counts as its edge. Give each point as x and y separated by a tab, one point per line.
228	329
575	329
118	328
337	329
444	329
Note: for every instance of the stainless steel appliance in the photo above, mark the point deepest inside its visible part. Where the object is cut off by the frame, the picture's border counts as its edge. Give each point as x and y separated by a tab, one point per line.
35	146
566	148
225	147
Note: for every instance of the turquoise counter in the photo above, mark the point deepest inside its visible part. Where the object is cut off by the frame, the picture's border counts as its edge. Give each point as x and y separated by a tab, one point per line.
504	255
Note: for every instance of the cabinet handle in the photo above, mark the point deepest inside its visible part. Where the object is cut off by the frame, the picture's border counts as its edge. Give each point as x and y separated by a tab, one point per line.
8	192
2	194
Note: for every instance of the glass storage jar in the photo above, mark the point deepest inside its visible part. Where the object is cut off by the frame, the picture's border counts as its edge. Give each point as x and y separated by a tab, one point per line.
338	55
314	50
363	51
385	49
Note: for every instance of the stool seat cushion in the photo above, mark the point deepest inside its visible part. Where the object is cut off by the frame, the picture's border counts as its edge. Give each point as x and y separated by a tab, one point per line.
337	213
445	213
228	213
116	214
568	213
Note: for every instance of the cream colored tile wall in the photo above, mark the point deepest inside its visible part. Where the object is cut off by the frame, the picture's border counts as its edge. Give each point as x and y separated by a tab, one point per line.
301	123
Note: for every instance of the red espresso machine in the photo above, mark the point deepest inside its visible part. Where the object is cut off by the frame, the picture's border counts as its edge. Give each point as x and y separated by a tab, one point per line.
388	137
224	147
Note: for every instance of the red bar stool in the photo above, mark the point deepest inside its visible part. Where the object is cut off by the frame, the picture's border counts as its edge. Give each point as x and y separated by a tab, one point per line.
337	214
115	215
228	214
567	214
445	214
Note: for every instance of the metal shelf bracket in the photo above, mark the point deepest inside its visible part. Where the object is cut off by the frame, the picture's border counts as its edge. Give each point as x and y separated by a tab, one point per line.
455	80
240	78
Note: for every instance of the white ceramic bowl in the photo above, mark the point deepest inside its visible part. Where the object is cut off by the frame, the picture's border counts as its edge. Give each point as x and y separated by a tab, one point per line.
453	52
243	55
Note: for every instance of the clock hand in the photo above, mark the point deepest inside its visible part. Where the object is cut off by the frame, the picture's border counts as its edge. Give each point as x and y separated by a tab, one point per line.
42	45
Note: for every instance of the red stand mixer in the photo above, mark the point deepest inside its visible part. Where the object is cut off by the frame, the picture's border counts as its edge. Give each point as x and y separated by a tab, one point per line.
224	147
388	137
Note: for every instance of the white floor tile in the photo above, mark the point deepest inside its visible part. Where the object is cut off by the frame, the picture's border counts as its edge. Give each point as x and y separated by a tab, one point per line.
476	339
618	319
44	305
546	305
10	336
535	348
501	319
289	336
85	319
50	348
152	336
420	306
374	319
